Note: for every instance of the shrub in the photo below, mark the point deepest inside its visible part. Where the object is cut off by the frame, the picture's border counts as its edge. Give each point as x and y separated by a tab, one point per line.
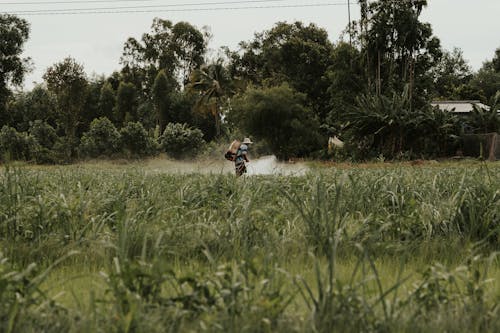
146	115
63	149
44	134
46	137
102	139
136	141
16	145
279	116
179	140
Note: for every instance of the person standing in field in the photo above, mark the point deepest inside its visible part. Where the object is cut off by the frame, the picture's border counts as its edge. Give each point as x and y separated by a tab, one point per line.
242	157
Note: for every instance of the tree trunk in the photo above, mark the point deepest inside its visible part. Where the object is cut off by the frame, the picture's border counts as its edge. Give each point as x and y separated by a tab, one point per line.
412	72
161	121
379	76
215	112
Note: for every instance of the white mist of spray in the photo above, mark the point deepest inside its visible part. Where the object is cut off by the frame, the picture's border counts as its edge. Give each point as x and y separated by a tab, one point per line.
264	166
269	165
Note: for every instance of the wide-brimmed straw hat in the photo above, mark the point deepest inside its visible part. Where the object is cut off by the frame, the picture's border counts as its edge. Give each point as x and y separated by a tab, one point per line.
247	141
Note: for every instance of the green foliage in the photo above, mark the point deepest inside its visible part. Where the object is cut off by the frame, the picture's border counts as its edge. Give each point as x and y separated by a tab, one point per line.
487	79
212	83
192	252
24	307
316	214
495	62
162	95
107	101
44	134
290	53
445	290
234	296
46	138
102	139
486	120
147	115
176	48
186	110
91	109
279	116
389	126
14	33
126	103
400	49
19	293
487	82
347	80
477	217
136	141
179	140
67	81
450	74
26	107
16	145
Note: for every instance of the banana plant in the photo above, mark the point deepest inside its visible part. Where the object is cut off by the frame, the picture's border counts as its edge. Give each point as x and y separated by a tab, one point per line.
484	120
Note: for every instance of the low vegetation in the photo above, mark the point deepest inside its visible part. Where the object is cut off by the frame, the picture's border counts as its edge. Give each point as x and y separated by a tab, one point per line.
385	248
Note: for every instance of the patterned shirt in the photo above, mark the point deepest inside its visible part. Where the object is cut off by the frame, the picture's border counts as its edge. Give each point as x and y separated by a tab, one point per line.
241	154
239	162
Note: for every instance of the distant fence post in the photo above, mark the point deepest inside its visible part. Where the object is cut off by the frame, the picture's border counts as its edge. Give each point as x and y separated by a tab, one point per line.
495	147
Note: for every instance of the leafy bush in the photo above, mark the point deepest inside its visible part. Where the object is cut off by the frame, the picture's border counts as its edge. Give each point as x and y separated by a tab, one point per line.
46	137
16	145
44	134
236	295
486	120
136	141
389	125
146	115
24	307
63	149
16	294
179	140
279	116
102	139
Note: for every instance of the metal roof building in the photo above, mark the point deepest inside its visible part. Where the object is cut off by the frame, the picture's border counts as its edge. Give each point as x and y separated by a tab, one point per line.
459	107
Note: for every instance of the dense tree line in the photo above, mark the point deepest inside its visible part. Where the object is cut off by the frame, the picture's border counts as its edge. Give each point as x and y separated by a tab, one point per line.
289	87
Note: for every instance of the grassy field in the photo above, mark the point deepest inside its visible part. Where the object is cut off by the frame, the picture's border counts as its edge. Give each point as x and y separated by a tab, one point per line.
175	247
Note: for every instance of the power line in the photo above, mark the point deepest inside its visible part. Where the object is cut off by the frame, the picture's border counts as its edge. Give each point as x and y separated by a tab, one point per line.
70	2
145	6
88	2
97	11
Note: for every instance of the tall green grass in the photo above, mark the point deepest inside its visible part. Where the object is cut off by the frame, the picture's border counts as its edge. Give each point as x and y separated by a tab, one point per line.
378	249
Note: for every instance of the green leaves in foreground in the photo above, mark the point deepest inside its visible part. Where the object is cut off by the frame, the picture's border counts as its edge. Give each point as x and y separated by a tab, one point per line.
194	252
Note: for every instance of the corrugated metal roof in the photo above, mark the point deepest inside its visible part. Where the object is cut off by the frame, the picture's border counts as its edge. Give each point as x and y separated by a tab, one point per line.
459	106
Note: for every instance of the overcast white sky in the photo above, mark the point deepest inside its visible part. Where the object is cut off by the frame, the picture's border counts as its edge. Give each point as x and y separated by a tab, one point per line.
97	40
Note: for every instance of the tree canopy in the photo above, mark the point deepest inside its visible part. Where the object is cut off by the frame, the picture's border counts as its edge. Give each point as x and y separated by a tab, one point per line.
175	48
280	116
68	82
399	48
14	33
290	53
289	86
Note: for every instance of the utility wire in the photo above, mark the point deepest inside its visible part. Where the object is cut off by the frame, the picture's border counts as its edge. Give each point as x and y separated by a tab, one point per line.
90	2
97	11
146	6
70	2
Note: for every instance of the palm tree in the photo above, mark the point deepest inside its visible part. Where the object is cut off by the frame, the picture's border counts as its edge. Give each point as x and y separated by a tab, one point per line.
486	120
212	82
